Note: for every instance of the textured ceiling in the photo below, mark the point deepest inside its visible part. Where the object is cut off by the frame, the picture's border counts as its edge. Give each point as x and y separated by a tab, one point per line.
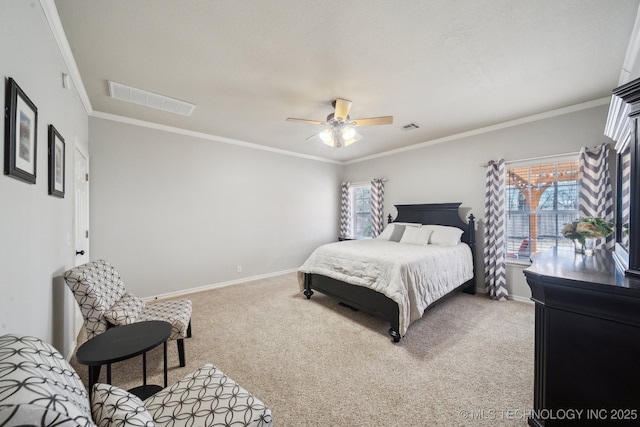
450	66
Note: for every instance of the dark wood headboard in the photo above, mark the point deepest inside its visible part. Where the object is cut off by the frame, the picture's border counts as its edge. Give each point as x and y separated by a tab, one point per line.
439	214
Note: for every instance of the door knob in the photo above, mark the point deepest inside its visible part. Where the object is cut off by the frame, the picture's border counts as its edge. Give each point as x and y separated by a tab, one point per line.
79	252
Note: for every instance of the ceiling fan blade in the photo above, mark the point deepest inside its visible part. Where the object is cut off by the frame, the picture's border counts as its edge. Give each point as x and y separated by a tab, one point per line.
311	122
342	109
315	135
371	121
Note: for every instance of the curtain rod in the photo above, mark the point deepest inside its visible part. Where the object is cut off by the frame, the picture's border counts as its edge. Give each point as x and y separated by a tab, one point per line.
574	153
366	182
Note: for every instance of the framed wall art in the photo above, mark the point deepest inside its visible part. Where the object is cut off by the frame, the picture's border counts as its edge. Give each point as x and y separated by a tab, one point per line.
21	134
56	163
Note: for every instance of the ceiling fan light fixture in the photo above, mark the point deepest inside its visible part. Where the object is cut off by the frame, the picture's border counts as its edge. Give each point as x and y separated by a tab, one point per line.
356	137
326	136
339	136
342	131
348	133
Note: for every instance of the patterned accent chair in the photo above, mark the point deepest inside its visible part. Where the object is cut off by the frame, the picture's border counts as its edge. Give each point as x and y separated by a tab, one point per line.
38	387
105	302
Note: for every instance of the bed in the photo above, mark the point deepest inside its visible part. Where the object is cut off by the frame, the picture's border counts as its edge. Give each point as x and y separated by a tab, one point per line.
386	278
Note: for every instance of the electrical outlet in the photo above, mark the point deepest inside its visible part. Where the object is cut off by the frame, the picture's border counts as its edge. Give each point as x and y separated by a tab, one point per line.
239	269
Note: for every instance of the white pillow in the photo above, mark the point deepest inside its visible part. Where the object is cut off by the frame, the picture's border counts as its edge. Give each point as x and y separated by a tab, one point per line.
114	407
416	235
386	233
444	235
392	232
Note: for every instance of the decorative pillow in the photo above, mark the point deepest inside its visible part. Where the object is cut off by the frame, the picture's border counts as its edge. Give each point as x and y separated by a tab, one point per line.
416	235
392	232
386	233
445	235
125	311
114	407
398	231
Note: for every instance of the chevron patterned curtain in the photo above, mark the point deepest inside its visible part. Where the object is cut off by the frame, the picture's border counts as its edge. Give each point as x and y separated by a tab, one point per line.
377	206
494	231
345	210
596	197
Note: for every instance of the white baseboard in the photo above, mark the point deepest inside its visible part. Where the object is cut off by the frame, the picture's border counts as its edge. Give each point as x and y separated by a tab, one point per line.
217	285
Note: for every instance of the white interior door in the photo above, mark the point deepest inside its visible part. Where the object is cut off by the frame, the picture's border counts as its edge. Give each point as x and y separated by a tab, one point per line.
81	182
81	218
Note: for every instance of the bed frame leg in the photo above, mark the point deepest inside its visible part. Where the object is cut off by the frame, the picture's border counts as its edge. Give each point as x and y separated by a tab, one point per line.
307	286
394	334
471	288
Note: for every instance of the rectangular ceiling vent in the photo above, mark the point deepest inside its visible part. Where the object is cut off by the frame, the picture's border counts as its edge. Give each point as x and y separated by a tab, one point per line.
410	126
149	99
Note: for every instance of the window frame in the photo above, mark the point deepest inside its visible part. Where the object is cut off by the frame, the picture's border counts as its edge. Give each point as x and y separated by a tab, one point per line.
356	215
555	212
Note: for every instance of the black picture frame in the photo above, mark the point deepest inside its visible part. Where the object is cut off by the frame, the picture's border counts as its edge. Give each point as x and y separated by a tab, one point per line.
21	135
57	167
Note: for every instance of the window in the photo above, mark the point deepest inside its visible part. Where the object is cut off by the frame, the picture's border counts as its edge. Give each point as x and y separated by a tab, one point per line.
361	213
540	200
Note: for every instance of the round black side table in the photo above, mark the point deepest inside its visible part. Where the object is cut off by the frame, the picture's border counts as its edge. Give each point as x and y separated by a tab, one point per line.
124	342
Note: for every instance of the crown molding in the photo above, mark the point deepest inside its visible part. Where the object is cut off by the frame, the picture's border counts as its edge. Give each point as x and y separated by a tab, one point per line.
504	125
207	136
51	13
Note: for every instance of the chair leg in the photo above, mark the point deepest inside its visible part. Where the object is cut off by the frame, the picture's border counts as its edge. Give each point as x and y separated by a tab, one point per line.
189	330
180	342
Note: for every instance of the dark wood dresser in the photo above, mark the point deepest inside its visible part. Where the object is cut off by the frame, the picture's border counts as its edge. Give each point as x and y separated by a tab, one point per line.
587	340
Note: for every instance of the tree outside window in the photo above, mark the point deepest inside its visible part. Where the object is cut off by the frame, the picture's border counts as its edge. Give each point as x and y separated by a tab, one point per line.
540	200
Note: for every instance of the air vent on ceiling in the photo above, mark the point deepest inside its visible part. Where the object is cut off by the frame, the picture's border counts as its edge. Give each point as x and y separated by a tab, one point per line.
410	126
149	99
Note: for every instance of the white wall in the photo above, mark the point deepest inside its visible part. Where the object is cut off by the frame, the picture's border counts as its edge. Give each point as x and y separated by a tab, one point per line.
174	212
451	172
36	229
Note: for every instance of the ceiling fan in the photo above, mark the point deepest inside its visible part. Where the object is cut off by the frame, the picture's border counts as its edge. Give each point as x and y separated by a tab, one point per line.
342	129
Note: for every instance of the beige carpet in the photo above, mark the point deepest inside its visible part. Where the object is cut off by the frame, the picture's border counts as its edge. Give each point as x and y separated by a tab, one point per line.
467	362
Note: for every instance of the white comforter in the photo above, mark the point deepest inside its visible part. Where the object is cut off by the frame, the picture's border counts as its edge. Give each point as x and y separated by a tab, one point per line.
413	276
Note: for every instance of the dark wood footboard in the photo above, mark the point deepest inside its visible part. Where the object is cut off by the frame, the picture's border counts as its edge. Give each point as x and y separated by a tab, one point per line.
358	297
370	301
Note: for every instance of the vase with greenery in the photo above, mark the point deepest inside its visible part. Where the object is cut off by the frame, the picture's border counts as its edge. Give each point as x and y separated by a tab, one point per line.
586	228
